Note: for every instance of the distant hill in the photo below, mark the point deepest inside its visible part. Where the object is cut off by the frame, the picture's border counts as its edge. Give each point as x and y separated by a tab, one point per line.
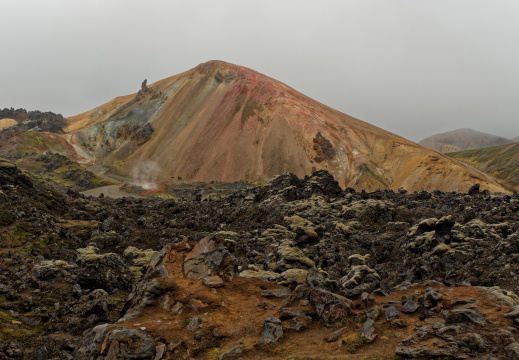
463	139
516	139
21	119
502	162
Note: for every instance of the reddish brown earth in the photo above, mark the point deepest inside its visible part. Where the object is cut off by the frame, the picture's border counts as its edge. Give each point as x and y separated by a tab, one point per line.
224	122
237	311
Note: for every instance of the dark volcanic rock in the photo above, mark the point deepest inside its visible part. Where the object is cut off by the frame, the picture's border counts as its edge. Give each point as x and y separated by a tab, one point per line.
276	293
328	306
368	330
34	120
410	307
120	343
391	313
474	189
272	331
464	315
206	259
63	268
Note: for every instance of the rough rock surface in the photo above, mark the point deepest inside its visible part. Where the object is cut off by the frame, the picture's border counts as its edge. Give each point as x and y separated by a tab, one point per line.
446	262
34	120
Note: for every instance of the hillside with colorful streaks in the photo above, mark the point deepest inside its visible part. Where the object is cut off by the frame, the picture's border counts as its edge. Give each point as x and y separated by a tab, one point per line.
224	122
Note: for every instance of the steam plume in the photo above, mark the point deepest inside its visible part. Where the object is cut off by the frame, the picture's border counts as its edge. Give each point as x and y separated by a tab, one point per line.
145	173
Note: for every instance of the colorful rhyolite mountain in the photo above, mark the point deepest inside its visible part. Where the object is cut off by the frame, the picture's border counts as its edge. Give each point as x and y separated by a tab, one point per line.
224	122
463	139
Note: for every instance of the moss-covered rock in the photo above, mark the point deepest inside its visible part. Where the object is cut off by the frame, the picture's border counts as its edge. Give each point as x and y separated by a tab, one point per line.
297	275
288	252
139	257
90	255
308	227
260	274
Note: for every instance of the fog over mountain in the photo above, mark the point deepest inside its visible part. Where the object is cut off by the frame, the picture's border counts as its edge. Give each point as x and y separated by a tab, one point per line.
412	68
463	139
223	122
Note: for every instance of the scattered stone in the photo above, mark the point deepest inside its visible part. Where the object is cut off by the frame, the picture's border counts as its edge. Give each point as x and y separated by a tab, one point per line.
410	307
366	300
139	257
403	286
288	252
335	335
391	313
328	306
39	353
272	331
194	323
513	313
461	301
359	279
287	313
512	351
299	323
229	353
373	312
368	330
213	282
117	343
160	349
282	293
462	316
398	323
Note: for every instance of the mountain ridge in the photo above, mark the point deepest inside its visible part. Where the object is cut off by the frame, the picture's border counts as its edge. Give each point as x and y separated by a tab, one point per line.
462	139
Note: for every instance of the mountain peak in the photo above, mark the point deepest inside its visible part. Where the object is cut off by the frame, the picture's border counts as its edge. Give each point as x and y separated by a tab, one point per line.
462	139
224	122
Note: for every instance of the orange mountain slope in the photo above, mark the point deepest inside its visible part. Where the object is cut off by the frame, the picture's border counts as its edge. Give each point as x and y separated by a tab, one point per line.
224	122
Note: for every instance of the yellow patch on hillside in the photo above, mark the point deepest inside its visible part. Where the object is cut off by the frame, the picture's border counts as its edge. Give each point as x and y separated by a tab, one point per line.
6	122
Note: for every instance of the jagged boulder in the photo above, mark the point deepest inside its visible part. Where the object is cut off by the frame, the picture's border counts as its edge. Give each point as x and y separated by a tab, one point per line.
272	331
326	305
50	270
106	342
101	271
359	279
209	257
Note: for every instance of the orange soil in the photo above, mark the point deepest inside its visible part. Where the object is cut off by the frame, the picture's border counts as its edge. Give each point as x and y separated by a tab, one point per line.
234	311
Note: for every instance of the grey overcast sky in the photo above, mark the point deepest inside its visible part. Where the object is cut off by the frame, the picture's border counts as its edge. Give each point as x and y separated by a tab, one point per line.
413	67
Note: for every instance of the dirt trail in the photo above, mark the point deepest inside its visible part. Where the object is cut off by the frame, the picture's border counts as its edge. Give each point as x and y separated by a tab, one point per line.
113	191
83	156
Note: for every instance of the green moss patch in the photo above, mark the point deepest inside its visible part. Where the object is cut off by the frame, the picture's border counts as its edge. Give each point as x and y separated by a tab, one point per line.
13	329
502	162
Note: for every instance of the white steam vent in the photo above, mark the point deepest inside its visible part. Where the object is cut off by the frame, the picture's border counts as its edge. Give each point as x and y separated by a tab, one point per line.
145	174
